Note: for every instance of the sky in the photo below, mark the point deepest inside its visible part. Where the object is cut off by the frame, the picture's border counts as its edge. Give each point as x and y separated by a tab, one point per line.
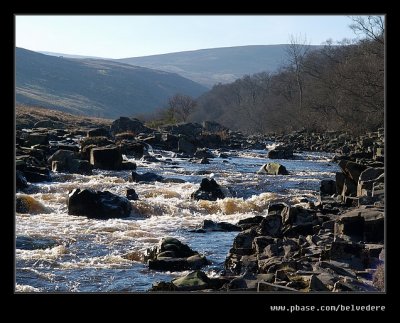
133	36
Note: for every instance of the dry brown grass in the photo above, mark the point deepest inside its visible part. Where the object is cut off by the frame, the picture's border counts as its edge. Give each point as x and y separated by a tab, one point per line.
27	116
379	277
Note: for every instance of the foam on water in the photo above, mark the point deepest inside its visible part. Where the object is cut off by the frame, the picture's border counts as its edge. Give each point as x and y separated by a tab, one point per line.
91	255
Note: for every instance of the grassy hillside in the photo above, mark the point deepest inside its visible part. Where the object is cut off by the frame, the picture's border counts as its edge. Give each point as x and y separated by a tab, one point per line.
95	87
27	116
210	66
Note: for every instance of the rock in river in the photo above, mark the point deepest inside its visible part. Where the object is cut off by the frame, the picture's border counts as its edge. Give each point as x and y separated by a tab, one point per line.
209	190
273	169
173	255
97	204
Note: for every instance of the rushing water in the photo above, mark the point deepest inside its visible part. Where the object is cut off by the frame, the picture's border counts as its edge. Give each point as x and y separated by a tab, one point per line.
90	255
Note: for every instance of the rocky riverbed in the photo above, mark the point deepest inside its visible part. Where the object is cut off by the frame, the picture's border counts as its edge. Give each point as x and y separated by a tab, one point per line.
197	208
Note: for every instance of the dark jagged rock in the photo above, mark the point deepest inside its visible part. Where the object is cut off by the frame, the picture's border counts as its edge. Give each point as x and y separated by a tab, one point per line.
131	194
316	284
210	226
173	255
209	190
97	204
146	177
35	174
346	251
185	146
129	148
250	222
271	225
273	169
281	152
328	187
125	124
106	158
63	156
36	138
96	141
20	181
193	281
351	169
361	225
67	161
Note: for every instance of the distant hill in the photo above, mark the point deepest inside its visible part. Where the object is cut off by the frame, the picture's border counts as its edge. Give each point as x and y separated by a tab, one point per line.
214	65
93	87
72	56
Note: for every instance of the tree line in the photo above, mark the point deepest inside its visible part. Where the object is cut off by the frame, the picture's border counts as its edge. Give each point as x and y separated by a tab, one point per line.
336	87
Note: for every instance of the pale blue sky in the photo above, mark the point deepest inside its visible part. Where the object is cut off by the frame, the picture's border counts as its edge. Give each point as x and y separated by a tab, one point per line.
131	36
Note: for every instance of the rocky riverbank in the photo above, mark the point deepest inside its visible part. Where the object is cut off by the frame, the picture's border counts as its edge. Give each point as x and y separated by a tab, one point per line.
334	244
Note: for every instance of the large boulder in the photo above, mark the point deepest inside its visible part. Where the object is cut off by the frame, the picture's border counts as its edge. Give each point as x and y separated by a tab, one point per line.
125	124
99	141
66	161
273	169
27	204
106	158
209	190
129	148
351	169
361	225
281	152
196	280
97	204
350	226
63	156
173	255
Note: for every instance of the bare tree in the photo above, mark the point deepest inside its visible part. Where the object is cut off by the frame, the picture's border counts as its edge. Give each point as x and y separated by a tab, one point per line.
373	27
297	51
181	106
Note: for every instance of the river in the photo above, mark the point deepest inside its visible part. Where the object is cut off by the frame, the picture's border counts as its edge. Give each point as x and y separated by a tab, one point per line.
90	254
